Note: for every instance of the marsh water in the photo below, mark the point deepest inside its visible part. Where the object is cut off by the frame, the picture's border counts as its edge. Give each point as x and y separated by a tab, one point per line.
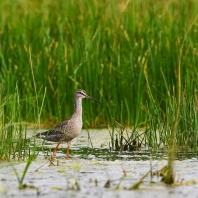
95	171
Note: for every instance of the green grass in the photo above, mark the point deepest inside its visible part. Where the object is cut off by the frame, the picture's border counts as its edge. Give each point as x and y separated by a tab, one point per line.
12	137
21	179
14	143
161	123
104	47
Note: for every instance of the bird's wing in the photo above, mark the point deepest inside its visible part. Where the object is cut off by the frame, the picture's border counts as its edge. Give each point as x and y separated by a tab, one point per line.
57	134
51	135
62	126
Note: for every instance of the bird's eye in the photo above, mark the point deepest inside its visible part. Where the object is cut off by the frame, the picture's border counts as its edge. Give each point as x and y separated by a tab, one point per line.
82	93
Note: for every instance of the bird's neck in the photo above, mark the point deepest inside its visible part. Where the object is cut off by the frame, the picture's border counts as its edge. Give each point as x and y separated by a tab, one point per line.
77	108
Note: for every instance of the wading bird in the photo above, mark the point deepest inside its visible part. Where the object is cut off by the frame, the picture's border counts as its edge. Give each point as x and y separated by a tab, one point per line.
67	130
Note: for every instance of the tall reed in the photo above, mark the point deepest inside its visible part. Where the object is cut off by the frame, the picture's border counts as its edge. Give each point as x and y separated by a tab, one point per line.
14	143
104	47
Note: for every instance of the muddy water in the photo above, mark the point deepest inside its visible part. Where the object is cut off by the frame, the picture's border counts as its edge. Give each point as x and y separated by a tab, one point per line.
98	173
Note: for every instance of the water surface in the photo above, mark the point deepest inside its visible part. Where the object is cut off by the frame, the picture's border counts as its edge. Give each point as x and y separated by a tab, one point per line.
98	172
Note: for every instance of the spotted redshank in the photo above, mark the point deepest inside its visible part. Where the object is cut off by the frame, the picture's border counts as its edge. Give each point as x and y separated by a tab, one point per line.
67	130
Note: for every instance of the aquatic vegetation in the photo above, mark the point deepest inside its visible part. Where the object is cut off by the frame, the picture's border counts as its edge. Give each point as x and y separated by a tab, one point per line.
21	179
161	129
137	185
123	139
14	143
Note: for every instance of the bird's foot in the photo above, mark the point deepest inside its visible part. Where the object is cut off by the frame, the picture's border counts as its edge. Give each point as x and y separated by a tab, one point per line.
53	156
51	160
67	158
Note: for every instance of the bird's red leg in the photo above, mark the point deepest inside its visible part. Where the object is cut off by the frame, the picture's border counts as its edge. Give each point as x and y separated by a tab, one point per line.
67	153
54	152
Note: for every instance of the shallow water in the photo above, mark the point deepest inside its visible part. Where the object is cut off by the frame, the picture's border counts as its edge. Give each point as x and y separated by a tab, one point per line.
89	169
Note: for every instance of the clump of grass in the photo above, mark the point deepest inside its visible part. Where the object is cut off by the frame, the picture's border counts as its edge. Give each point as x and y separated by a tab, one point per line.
125	140
160	130
14	143
21	180
13	140
161	123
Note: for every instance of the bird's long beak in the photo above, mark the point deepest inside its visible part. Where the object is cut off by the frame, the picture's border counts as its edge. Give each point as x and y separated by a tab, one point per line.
93	99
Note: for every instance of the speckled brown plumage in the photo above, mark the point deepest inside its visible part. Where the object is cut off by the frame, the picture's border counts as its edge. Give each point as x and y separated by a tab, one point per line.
68	129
